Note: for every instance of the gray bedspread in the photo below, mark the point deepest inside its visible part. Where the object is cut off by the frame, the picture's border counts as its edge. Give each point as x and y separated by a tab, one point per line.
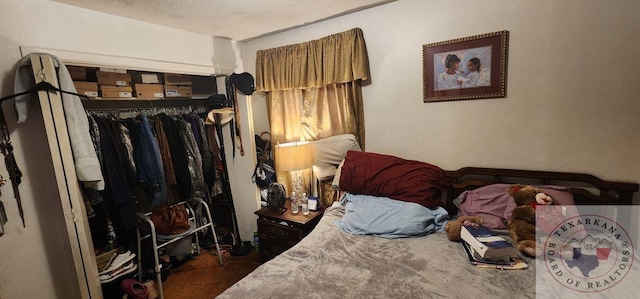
330	263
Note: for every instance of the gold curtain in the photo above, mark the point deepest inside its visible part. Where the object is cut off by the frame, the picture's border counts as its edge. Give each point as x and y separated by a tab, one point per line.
314	90
337	58
315	113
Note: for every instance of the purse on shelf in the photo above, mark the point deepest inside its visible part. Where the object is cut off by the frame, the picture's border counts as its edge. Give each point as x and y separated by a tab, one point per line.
170	220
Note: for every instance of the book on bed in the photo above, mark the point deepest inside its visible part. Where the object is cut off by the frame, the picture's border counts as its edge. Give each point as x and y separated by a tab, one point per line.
486	244
510	263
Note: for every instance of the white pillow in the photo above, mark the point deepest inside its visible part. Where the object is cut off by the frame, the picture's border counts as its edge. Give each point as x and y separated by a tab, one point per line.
336	178
324	172
328	152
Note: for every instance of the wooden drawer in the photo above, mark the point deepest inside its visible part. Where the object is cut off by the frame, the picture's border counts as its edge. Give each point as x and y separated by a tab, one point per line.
274	232
276	238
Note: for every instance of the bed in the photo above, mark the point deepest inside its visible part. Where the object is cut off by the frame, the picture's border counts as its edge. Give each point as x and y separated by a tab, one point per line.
330	263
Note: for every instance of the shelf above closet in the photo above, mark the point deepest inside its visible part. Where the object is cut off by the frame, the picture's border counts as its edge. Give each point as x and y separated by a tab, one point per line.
140	89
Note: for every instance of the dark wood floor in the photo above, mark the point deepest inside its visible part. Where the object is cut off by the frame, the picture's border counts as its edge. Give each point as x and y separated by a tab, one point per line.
204	278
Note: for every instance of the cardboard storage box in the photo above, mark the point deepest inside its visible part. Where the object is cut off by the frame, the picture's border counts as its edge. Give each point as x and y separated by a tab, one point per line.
115	91
177	91
149	78
177	79
78	73
89	89
114	79
149	90
113	70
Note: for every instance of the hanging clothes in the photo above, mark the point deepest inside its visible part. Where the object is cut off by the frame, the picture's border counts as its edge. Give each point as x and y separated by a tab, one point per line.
216	188
178	155
129	133
86	163
147	161
195	159
102	231
167	161
149	168
117	187
208	163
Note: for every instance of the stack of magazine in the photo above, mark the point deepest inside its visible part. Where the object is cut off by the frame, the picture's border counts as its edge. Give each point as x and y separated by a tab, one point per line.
485	249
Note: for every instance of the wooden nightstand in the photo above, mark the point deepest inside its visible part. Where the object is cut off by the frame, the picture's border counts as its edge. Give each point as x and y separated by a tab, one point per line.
275	237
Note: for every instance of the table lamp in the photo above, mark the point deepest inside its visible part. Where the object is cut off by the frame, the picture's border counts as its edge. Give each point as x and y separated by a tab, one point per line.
294	157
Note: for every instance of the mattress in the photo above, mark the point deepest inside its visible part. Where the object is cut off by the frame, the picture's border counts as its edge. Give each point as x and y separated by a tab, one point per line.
330	263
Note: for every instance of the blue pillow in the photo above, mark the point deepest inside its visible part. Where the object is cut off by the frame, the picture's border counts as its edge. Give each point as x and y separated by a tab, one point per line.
389	218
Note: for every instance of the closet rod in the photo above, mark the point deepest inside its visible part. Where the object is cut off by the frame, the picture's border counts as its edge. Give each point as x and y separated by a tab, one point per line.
140	104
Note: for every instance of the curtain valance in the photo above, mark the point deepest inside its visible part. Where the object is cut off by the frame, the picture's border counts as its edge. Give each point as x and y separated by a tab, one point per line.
337	58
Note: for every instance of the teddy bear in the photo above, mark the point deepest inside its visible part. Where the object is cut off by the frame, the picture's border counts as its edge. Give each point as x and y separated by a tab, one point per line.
522	222
453	227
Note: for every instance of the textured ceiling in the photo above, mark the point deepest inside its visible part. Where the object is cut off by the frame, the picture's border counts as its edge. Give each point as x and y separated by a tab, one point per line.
235	19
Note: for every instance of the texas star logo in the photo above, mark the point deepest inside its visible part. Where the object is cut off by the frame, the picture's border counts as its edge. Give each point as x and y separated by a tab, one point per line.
588	253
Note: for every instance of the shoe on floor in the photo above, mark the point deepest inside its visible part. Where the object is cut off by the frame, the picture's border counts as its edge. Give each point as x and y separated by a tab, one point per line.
134	289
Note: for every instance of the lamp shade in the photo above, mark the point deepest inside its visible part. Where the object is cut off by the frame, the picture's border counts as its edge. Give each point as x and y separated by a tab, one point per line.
293	156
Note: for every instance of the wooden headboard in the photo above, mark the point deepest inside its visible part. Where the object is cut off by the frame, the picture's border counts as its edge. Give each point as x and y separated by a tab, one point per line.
586	189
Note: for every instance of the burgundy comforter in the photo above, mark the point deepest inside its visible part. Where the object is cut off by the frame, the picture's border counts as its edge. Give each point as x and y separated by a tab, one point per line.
393	177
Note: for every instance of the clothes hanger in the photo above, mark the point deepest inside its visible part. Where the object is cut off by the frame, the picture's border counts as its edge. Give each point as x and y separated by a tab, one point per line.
15	174
42	86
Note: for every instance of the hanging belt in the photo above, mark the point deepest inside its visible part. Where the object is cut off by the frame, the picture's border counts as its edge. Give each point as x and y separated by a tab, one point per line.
234	126
226	185
15	175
